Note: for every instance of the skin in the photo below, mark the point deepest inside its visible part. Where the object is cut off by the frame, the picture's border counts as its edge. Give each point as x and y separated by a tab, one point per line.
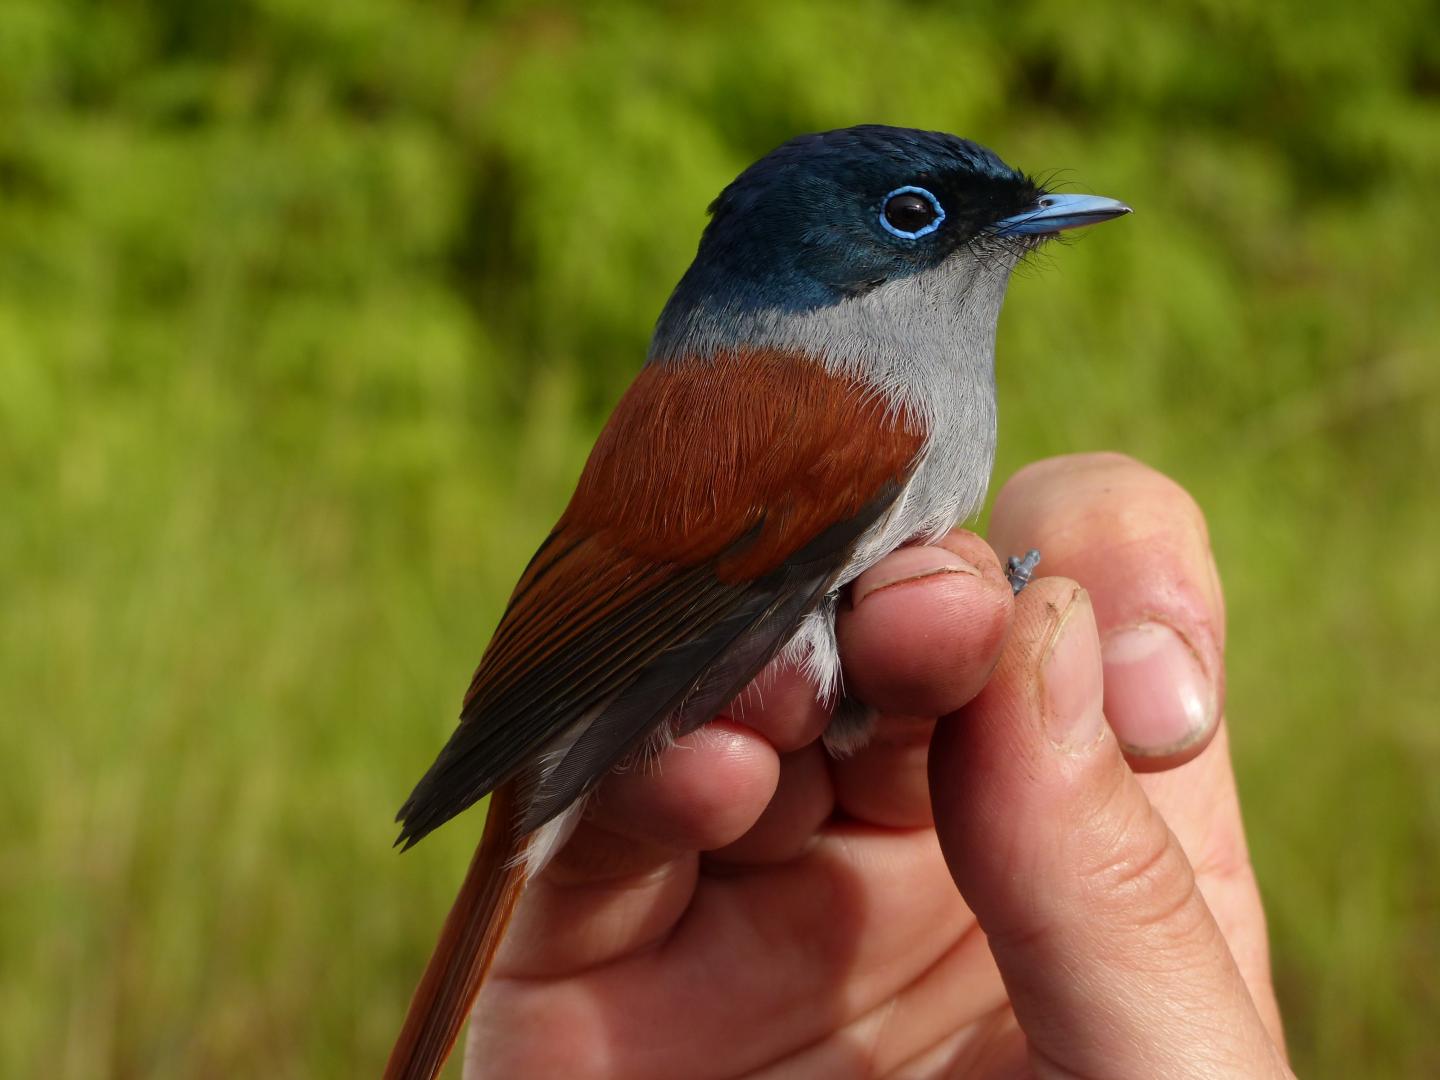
1003	891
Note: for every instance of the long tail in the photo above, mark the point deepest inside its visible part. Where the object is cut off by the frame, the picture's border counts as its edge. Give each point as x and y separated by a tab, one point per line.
466	949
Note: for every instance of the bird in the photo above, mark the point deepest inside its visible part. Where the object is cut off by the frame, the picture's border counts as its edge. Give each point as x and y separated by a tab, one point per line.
819	390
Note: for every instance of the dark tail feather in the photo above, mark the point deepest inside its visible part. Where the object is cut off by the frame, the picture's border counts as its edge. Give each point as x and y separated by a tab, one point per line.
466	949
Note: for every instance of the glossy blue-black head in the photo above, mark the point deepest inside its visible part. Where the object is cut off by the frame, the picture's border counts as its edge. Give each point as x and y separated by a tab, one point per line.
831	217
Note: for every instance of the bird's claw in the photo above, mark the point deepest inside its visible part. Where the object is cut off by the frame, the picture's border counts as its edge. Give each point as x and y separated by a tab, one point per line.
1018	570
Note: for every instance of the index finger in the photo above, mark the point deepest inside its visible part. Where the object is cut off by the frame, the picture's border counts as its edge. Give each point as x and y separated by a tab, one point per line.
1137	542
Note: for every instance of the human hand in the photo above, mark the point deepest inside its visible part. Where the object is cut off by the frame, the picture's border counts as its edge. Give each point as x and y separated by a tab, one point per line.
751	907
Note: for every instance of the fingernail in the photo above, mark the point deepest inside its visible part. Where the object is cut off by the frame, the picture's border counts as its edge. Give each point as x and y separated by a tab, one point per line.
908	564
1071	680
1158	698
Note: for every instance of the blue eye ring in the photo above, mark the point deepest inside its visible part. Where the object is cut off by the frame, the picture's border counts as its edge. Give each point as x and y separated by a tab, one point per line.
910	189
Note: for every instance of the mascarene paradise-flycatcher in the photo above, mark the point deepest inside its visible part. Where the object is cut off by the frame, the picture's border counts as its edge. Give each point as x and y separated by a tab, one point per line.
819	391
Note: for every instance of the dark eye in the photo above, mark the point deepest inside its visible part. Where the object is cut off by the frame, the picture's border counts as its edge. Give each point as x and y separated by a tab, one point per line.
910	212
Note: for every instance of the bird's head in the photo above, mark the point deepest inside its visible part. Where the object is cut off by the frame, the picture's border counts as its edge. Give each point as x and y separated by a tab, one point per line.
830	217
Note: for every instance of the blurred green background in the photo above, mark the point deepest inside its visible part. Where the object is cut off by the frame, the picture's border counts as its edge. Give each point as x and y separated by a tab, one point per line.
309	313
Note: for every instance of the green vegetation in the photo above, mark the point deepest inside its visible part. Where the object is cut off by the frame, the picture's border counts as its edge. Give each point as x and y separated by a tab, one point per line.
309	312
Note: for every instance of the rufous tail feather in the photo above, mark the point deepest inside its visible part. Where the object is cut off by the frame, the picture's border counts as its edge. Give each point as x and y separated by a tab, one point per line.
468	942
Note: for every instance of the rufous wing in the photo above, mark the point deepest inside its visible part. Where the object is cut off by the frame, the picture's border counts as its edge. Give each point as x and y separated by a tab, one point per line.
717	508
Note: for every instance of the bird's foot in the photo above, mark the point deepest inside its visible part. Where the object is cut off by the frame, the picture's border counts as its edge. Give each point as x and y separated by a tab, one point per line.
1018	570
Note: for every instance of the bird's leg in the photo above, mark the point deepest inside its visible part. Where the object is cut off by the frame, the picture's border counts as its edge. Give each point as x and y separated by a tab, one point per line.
1018	570
851	725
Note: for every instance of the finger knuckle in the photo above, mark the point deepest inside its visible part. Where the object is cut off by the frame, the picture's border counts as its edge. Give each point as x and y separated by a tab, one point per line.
1136	868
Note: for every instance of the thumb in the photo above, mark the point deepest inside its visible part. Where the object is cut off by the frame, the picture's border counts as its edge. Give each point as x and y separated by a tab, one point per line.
1112	961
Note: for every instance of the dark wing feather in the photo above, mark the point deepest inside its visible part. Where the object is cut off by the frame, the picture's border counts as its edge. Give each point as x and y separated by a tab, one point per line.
698	538
693	679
